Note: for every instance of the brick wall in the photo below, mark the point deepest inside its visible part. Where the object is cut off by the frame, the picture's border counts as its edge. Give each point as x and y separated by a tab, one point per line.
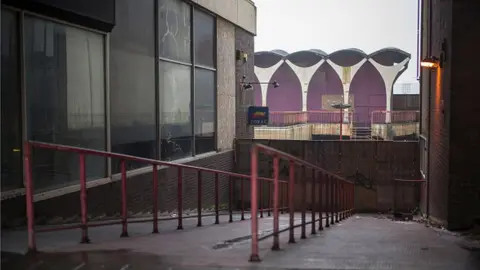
105	200
244	41
373	164
454	190
464	186
439	134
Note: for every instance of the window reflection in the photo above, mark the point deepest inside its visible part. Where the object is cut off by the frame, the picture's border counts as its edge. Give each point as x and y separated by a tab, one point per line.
174	38
132	82
65	98
205	118
204	29
175	116
11	141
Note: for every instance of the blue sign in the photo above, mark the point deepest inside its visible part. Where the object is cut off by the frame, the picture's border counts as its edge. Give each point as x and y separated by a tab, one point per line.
257	116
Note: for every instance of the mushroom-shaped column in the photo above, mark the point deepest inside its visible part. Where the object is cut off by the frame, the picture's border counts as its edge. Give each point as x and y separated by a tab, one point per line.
346	74
264	75
390	75
304	75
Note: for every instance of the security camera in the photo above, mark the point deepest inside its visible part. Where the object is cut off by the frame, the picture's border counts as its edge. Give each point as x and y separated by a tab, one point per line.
275	84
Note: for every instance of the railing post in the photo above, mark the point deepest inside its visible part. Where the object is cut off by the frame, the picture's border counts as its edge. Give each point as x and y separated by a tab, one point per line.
242	198
337	200
281	198
180	198
217	218
261	198
269	197
155	198
314	215
83	200
254	226
304	202
230	199
276	216
124	198
27	166
199	199
291	207
320	203
332	200
327	201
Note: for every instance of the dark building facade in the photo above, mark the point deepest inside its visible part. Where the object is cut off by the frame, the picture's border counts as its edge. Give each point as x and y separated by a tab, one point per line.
149	78
449	109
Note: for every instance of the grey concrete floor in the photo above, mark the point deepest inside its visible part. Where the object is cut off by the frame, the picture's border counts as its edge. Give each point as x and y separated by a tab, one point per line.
360	242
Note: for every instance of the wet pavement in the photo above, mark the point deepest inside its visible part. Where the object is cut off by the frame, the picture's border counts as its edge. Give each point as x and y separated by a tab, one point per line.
360	242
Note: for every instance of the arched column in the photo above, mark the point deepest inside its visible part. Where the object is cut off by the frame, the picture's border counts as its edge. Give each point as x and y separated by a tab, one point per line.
346	78
389	75
264	75
304	75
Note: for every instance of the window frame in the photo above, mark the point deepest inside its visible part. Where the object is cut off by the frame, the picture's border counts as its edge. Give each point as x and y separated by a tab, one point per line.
193	65
21	14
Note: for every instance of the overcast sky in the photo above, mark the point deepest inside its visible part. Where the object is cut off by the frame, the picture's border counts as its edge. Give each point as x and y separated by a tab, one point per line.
331	25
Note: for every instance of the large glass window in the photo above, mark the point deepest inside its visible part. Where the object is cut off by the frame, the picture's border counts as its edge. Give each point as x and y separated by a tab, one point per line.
204	110
64	71
175	103
132	81
174	33
11	121
204	29
205	86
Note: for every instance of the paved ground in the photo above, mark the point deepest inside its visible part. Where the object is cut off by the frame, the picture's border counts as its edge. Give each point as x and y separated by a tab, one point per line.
361	242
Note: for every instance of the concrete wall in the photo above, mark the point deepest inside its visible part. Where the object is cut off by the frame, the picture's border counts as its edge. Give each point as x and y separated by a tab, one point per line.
448	104
244	41
300	131
389	131
225	84
372	164
242	13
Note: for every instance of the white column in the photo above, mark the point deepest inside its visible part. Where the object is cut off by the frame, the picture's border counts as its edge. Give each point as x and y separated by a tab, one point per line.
264	75
346	85
389	75
304	75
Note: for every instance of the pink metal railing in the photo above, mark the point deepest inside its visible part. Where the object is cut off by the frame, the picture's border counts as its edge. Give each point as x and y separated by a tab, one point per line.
339	197
84	225
382	117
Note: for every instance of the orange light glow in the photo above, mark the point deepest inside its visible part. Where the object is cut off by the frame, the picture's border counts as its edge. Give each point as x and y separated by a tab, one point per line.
429	62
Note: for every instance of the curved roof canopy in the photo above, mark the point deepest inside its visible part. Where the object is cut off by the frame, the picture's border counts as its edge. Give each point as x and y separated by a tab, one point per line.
346	57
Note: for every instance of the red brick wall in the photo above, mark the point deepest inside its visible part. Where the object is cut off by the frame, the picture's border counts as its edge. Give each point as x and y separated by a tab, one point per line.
377	163
439	117
454	188
464	186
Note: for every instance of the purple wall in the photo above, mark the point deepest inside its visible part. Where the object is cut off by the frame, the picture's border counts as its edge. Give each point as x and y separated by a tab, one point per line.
368	90
287	97
325	81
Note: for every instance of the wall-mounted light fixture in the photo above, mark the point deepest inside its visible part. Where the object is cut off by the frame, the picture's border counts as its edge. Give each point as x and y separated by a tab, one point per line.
433	62
249	86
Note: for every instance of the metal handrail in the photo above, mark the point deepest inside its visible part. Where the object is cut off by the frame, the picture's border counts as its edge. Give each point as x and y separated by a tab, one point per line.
339	197
82	152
